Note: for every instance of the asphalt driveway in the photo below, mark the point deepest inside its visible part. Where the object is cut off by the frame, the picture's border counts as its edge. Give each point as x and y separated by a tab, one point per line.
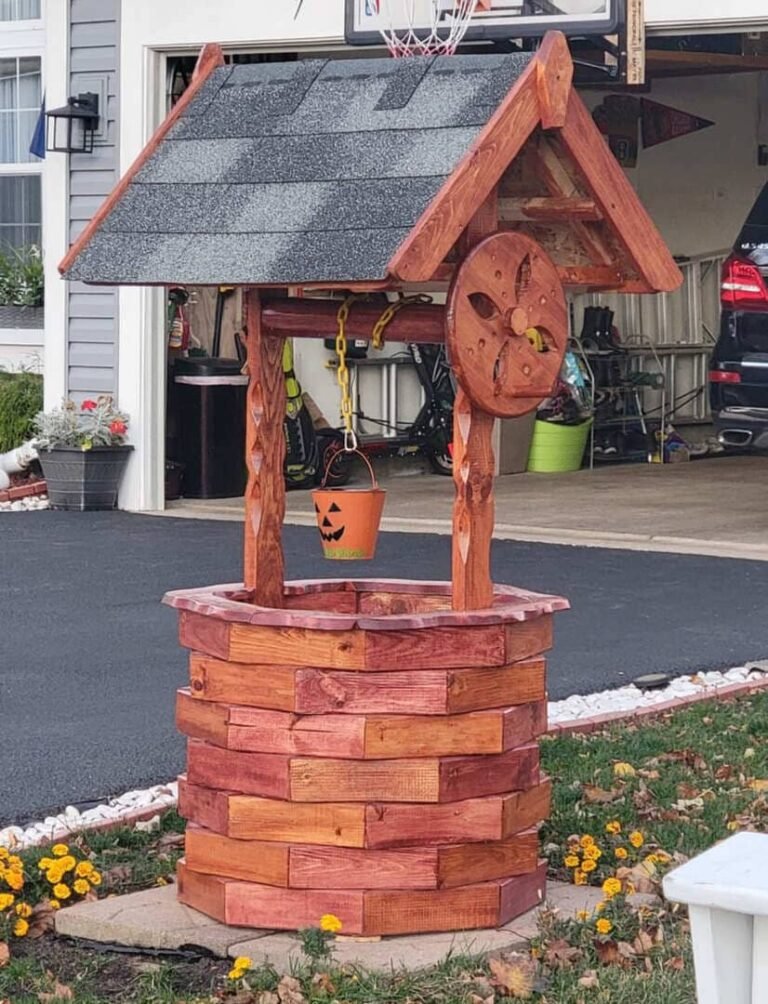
89	660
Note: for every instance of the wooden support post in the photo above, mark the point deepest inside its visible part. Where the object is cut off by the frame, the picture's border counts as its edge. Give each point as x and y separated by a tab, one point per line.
473	509
265	455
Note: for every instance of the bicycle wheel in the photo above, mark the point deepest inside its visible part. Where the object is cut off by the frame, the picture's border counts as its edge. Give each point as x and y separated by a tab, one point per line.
340	470
438	445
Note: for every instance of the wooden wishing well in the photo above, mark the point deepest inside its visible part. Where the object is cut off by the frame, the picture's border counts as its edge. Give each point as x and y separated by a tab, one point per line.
368	748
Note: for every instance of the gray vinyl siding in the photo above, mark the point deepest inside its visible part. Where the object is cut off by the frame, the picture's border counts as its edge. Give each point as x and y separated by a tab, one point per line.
92	323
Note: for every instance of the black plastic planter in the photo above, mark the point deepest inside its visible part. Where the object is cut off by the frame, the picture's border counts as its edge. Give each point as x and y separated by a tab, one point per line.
84	479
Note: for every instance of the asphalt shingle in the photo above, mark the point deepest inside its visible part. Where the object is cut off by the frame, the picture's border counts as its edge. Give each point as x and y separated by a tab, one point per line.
313	170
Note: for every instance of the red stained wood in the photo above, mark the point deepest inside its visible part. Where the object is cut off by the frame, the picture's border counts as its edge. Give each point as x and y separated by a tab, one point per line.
452	209
523	723
331	602
263	570
236	683
320	780
528	638
420	735
397	912
311	735
423	322
211	58
247	773
251	905
485	220
548	209
476	819
440	647
554	75
464	864
204	634
470	776
349	868
597	277
319	692
647	253
388	603
519	895
523	809
497	687
205	893
204	806
201	719
287	646
251	860
336	824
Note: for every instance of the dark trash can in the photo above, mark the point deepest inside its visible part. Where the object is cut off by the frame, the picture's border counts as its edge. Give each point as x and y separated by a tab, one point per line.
209	404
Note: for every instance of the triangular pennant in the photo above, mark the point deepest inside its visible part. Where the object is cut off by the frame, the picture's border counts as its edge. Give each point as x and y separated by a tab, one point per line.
660	123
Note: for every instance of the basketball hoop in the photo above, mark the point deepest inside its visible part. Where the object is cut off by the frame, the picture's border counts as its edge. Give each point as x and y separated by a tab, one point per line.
449	21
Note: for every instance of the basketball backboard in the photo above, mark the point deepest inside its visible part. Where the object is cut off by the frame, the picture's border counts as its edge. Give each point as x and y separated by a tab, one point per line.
492	19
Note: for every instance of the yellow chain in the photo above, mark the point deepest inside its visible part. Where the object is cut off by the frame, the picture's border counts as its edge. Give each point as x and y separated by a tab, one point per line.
342	375
377	335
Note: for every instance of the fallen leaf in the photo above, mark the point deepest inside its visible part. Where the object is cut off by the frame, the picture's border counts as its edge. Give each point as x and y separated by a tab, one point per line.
758	785
42	920
324	981
589	979
676	962
625	950
289	991
168	841
649	775
686	805
643	943
689	757
560	954
749	752
688	791
515	975
477	999
600	796
724	772
5	954
116	876
607	951
61	992
266	997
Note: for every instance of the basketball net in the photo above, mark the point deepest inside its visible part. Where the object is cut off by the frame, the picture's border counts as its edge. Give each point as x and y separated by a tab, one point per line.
441	38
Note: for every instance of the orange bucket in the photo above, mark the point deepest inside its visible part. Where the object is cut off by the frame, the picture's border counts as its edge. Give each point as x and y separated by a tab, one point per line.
348	518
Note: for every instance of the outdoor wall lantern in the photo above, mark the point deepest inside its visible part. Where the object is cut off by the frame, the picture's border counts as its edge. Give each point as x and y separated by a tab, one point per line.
71	129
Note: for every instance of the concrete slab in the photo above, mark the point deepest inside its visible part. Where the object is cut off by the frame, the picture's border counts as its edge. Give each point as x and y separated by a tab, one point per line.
713	506
155	919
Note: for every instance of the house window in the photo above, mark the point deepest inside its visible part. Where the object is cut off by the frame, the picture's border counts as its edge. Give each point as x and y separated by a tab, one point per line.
20	96
21	211
20	10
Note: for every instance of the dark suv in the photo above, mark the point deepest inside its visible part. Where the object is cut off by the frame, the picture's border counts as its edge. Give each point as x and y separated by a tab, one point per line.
738	371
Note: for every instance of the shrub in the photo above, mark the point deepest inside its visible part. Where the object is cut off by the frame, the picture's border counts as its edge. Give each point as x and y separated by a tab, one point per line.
22	280
21	398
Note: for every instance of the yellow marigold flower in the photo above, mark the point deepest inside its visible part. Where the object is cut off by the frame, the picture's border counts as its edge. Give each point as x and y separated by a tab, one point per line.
45	863
582	915
161	881
611	887
20	928
55	874
623	770
3	853
6	900
67	863
604	926
59	850
81	887
95	878
636	838
613	827
579	878
652	859
572	861
15	880
23	910
330	922
54	904
62	891
600	907
84	869
242	962
235	974
663	857
15	862
621	853
588	865
593	852
587	841
630	889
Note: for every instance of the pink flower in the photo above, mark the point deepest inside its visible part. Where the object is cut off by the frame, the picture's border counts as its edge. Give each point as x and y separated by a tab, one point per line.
88	406
118	428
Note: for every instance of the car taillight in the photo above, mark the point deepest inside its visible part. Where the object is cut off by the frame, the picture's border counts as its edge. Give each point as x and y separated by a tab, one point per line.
724	376
742	285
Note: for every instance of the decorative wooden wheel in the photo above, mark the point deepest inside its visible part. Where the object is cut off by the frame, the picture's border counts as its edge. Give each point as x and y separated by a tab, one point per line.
507	325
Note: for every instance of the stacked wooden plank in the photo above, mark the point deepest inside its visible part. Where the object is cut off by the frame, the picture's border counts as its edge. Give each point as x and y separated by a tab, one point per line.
364	752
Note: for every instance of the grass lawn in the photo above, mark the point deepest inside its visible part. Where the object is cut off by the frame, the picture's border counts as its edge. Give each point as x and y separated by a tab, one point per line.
629	802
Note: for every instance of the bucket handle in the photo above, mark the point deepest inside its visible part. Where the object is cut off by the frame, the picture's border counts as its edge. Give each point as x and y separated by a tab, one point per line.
366	461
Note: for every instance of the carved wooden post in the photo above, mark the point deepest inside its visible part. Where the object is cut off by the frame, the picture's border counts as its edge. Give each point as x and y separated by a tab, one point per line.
473	510
264	565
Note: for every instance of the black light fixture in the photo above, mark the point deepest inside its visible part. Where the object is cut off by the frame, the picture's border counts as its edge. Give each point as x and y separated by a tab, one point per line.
71	129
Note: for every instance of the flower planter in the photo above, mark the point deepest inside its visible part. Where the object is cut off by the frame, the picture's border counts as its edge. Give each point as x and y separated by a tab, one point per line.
84	479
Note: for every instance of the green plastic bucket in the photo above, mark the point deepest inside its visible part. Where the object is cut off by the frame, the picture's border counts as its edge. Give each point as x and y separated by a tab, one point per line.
557	447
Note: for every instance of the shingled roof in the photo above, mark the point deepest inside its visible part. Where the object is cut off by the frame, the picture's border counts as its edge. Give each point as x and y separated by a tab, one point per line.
284	173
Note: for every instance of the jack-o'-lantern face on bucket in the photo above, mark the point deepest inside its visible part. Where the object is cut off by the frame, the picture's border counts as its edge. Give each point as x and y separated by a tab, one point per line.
328	522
